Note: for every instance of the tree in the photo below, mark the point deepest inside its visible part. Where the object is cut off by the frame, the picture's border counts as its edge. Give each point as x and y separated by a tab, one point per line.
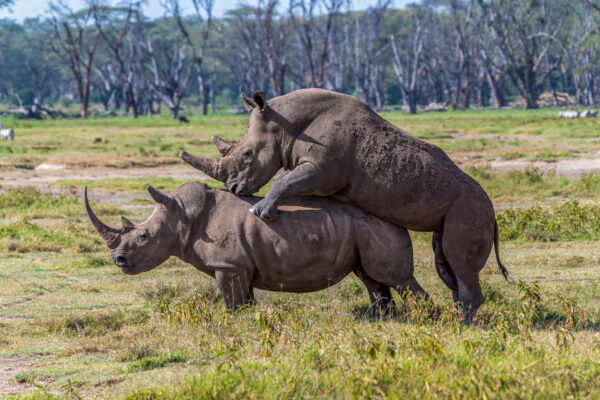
6	3
315	31
198	49
526	31
170	67
406	61
114	24
462	18
75	41
367	50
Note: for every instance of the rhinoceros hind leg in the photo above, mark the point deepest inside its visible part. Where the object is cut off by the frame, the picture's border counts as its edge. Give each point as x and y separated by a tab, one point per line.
467	241
411	286
441	263
380	295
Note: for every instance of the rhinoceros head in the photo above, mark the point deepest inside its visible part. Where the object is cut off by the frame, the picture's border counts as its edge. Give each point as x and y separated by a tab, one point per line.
139	248
247	165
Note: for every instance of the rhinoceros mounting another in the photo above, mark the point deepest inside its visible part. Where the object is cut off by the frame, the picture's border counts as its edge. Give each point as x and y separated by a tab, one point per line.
331	144
315	244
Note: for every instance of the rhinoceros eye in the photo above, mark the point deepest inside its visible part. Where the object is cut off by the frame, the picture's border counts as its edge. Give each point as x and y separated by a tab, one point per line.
142	237
247	153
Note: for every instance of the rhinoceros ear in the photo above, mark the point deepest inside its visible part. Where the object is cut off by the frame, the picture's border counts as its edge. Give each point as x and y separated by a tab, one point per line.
160	197
127	224
249	104
260	100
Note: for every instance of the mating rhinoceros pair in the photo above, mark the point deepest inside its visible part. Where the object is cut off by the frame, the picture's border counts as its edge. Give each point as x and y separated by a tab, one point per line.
330	144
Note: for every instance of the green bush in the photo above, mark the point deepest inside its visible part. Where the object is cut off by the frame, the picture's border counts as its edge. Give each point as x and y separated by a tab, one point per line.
566	222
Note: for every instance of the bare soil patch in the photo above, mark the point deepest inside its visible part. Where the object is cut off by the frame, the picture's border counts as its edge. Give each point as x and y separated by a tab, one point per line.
572	168
495	136
42	179
11	366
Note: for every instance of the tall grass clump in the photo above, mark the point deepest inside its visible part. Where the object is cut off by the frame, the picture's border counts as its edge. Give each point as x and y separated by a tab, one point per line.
98	323
532	183
565	222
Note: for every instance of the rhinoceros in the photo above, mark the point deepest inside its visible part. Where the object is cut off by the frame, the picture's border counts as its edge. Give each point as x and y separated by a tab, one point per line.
7	134
331	144
570	114
315	244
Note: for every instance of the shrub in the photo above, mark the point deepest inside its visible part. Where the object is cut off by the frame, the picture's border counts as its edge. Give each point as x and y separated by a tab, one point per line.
568	221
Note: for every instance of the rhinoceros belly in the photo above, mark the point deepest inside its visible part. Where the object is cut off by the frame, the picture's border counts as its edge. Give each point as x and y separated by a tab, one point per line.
309	248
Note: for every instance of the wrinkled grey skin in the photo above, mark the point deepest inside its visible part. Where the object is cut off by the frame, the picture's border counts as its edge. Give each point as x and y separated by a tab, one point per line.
314	245
331	144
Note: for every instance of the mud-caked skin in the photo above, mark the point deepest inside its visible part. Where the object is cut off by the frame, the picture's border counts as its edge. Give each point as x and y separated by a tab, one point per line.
331	144
315	243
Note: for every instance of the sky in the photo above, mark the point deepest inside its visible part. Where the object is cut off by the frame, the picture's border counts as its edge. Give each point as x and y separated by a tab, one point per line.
31	8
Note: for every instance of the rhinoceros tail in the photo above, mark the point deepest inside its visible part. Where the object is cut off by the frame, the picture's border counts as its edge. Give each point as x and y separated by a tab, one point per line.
502	268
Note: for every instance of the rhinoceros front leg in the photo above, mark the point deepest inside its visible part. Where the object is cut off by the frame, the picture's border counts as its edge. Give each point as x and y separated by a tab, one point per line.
235	286
304	180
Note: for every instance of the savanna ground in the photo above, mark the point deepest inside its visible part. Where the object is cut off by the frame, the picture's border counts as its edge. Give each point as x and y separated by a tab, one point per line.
72	325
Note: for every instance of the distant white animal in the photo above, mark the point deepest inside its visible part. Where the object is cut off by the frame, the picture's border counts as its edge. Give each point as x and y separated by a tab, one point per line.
6	134
568	114
589	114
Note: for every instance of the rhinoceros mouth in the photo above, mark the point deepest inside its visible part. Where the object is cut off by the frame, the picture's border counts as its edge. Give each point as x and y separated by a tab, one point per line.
239	188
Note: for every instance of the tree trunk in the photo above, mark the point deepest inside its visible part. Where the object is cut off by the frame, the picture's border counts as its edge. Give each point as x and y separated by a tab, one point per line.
211	90
412	103
577	84
202	93
174	111
530	101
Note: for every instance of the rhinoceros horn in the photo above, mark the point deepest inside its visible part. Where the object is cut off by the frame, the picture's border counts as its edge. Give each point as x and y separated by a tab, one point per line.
210	166
127	224
110	235
224	146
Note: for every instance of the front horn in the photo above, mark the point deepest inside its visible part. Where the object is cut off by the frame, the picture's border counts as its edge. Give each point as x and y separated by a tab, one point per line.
110	235
211	166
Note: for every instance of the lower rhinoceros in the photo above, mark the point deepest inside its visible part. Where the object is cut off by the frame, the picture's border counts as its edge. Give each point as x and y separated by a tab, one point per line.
315	244
331	144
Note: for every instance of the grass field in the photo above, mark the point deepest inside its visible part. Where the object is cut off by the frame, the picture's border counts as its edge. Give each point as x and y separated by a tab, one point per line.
72	325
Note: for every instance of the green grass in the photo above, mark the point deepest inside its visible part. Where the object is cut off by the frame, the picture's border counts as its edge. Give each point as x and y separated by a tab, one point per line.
522	188
151	141
88	330
130	184
138	184
553	155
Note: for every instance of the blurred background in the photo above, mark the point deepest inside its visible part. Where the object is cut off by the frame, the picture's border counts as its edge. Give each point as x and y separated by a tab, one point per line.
146	57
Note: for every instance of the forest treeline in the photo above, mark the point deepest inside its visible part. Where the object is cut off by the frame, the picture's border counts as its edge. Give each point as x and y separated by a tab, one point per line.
462	53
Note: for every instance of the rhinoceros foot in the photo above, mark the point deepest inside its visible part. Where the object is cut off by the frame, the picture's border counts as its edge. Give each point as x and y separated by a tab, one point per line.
265	210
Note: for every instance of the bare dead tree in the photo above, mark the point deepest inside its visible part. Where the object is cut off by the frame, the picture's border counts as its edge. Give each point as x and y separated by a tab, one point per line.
171	70
274	33
114	24
406	61
75	41
203	9
462	18
365	50
576	52
314	33
594	5
259	45
110	83
525	34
